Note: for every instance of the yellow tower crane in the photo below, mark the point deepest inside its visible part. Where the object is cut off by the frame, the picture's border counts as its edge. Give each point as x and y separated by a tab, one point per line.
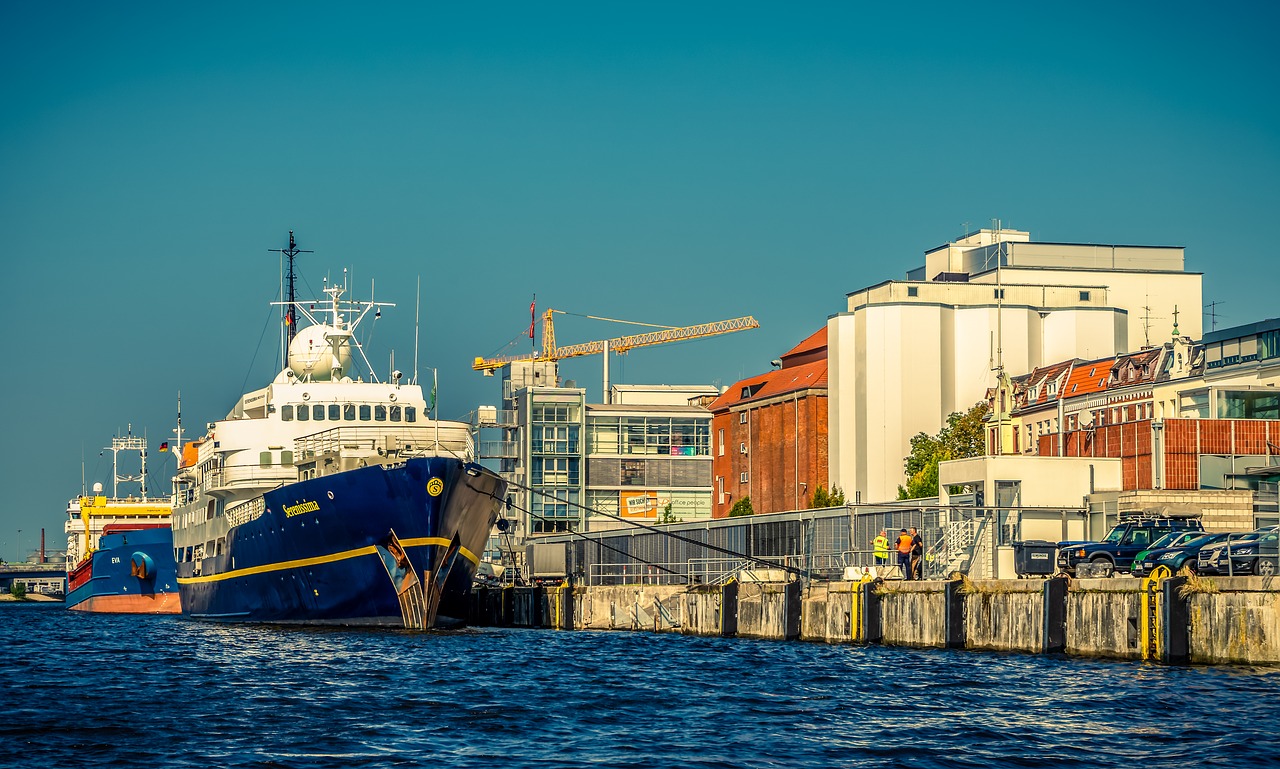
620	344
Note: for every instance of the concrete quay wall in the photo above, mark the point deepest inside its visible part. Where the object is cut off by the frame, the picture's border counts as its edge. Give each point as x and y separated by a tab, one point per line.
1207	621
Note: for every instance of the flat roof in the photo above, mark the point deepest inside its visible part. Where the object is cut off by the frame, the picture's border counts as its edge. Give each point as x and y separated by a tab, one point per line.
1249	329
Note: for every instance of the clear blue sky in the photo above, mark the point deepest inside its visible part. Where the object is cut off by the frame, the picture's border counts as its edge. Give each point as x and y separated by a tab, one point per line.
669	163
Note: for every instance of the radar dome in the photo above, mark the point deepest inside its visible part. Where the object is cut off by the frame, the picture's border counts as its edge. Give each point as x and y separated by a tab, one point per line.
311	353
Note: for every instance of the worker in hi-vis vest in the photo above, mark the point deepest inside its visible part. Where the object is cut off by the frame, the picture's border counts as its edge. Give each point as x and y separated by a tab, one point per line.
904	554
880	547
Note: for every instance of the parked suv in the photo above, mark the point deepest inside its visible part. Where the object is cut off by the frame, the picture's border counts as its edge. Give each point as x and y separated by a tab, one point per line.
1122	543
1252	553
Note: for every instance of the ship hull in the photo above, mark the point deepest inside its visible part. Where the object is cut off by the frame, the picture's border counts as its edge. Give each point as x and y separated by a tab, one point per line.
131	572
317	553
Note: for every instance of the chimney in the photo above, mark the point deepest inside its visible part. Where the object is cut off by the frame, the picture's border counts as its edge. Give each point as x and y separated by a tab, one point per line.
42	558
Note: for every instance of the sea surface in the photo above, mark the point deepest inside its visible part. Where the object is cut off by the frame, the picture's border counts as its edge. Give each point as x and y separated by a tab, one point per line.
98	690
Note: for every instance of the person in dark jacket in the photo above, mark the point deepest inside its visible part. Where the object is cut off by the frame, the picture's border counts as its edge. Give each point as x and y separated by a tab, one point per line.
917	554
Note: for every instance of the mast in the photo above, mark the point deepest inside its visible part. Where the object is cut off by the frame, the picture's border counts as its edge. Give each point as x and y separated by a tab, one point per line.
290	319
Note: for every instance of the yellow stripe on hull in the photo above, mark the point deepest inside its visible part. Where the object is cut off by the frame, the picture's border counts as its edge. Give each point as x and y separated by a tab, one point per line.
305	562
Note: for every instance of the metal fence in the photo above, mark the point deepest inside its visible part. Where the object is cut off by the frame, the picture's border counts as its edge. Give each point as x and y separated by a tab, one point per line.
810	544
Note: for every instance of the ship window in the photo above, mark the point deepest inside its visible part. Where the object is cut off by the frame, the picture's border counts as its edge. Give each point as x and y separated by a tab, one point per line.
395	413
208	511
379	413
221	541
348	412
317	412
286	458
410	414
286	413
364	413
304	413
264	459
335	412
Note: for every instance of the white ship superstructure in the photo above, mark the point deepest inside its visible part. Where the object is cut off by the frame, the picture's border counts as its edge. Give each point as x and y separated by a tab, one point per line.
312	491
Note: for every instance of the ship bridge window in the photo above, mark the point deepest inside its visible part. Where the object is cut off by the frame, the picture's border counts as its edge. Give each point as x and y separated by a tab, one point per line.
335	412
410	414
348	412
286	413
379	413
304	413
394	413
286	458
365	411
317	412
264	459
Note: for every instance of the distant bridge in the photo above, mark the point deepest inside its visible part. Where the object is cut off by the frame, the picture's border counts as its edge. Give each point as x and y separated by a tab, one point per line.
34	576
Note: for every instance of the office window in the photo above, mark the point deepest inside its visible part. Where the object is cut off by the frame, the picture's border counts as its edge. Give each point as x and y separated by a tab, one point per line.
722	442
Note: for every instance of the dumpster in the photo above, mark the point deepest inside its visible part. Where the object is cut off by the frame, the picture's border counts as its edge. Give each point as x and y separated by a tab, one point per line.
1034	558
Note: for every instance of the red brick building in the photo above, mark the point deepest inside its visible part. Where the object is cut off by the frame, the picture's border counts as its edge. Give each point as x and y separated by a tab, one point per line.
769	434
1183	454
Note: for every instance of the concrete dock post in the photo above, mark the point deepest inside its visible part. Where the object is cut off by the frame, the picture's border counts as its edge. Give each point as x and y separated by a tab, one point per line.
729	609
872	630
792	598
953	626
1054	636
1176	630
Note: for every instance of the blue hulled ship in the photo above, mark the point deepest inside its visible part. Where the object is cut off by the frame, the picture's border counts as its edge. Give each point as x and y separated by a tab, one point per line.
326	499
119	547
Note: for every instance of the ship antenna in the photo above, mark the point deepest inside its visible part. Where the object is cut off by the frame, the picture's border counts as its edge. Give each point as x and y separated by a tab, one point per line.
417	306
290	316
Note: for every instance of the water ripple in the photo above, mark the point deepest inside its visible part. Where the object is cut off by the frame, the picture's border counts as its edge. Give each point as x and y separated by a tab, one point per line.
86	690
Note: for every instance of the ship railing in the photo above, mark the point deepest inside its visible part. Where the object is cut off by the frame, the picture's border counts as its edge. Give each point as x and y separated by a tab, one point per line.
248	475
245	512
412	440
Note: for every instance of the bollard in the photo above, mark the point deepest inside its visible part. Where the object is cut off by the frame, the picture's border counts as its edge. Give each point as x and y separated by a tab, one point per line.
1054	634
872	628
729	609
954	619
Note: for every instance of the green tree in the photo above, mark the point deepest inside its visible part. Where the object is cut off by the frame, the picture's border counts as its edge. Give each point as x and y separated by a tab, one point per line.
822	498
666	516
18	590
963	435
741	507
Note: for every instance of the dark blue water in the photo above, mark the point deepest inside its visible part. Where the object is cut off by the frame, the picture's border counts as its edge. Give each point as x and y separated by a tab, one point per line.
96	690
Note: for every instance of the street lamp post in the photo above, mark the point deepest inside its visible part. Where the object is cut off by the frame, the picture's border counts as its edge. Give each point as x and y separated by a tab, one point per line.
19	558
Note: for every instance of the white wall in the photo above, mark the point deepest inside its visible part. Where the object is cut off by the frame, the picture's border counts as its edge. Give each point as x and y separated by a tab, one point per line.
1130	291
899	369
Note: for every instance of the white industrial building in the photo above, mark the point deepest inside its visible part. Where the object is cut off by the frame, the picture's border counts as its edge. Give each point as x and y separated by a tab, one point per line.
906	354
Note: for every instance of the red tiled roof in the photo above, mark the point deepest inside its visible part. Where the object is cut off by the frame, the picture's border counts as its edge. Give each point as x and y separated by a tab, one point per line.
773	384
1088	377
817	341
